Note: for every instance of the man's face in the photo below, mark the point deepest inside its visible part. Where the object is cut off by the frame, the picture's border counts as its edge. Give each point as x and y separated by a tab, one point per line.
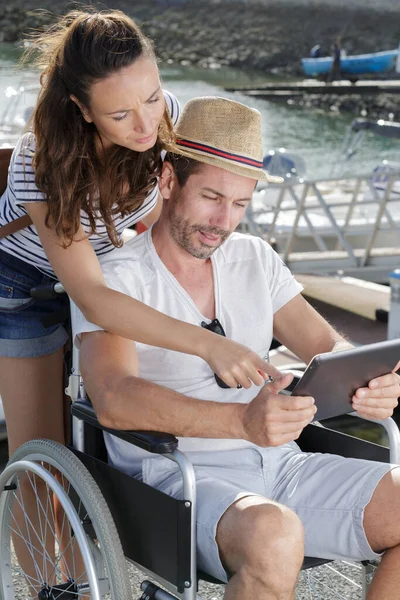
202	215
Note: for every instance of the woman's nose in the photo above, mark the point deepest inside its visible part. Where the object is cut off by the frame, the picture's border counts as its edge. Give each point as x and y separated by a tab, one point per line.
142	124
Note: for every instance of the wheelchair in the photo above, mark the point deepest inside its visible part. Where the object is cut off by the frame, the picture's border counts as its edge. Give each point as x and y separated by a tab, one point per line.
89	522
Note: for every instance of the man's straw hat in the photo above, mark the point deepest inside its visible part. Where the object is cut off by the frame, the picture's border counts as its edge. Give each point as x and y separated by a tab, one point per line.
222	133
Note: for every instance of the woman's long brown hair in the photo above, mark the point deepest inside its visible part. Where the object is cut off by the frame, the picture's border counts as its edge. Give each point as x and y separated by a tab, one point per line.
81	48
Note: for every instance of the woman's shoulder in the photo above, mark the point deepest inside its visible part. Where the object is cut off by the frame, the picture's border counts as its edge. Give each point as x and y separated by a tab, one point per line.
173	106
26	145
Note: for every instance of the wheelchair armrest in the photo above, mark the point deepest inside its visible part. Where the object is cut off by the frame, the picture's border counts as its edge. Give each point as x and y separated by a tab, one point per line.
393	433
152	441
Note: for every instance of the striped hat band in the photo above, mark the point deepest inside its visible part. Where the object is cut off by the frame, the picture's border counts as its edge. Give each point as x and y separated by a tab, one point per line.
212	151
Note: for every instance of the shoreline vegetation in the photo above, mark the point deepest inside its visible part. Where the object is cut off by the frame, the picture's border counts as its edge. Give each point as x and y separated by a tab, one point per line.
268	36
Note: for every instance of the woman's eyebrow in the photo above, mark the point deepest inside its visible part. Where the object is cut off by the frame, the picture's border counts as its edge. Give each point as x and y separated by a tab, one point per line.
122	110
154	93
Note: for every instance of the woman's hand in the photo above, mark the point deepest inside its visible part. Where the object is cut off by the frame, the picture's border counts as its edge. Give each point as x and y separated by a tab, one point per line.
236	364
379	399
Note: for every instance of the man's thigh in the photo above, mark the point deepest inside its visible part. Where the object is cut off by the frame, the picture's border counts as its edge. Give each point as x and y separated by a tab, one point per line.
222	478
329	493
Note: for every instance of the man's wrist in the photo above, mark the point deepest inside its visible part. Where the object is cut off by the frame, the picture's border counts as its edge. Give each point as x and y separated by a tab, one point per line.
342	345
237	422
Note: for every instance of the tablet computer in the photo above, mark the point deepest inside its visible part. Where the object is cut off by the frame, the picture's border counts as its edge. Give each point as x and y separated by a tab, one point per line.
332	378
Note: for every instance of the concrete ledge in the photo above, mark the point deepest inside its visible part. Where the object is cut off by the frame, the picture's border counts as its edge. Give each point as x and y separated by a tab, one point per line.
354	295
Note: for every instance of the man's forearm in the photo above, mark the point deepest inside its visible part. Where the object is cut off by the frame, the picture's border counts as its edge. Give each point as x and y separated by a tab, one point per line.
134	403
304	331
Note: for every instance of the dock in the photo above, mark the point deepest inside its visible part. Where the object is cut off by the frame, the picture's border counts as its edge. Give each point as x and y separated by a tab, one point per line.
323	227
312	86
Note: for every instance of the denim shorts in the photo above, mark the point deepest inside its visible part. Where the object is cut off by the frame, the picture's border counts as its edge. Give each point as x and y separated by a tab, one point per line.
28	327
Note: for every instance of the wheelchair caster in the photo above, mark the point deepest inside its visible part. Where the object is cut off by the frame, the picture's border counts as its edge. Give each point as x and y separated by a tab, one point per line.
151	591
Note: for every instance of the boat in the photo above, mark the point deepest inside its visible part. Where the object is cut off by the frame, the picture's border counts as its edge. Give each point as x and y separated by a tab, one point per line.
377	62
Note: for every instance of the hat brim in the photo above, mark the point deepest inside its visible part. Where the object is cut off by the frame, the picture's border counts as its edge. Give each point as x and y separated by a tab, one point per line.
221	163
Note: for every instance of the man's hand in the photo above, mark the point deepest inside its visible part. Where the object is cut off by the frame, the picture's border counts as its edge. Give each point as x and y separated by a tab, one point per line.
379	399
272	419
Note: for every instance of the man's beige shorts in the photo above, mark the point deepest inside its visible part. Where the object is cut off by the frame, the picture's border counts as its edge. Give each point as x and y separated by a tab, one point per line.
328	493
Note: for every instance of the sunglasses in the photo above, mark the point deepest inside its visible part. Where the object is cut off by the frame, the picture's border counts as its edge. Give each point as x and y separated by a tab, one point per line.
216	327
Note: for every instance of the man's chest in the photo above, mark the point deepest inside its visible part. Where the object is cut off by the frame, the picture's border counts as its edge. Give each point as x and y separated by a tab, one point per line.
203	297
200	287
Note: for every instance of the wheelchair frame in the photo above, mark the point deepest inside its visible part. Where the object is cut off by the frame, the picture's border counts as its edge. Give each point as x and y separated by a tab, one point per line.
179	535
158	532
182	579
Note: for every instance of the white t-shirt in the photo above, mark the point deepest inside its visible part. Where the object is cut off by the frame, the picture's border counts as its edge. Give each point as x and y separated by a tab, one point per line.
21	189
251	283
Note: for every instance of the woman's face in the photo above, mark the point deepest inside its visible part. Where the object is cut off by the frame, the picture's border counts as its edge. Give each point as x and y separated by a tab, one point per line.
127	107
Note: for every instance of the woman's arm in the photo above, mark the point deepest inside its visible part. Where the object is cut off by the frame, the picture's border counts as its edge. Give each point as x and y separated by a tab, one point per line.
78	269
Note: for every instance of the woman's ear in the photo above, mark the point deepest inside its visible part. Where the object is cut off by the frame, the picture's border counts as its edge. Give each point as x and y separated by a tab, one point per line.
167	181
83	109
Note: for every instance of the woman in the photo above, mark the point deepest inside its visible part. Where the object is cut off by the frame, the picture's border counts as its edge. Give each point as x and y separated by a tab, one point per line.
88	170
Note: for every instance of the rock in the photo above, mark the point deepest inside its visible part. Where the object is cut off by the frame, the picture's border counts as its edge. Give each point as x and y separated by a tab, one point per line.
263	34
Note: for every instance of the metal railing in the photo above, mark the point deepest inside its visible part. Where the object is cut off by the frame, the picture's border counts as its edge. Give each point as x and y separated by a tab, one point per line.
334	224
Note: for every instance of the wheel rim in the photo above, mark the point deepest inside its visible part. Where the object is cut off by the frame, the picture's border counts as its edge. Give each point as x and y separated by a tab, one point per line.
68	564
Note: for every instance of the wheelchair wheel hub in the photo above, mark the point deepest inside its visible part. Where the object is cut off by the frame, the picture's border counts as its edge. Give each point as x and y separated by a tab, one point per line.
64	591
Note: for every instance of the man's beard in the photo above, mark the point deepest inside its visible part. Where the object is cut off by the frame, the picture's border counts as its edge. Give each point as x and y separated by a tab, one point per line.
181	232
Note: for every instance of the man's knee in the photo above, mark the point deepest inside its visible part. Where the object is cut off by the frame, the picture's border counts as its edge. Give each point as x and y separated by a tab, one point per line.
262	539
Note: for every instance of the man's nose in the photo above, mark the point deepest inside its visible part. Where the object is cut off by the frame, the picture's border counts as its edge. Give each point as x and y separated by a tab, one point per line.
222	218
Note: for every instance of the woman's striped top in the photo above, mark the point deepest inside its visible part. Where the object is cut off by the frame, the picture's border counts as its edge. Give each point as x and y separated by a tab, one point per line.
21	189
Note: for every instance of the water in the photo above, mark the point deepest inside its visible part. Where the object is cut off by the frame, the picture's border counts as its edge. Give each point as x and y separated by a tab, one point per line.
314	135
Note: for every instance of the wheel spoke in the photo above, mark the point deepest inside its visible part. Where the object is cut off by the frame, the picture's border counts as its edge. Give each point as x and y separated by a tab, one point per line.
41	542
39	506
22	507
45	543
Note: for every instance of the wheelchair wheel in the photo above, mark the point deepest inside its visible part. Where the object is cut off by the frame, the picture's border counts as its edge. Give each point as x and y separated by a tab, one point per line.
67	543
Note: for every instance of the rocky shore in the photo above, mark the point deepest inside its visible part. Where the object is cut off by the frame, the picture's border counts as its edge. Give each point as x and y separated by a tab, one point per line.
380	106
269	36
265	35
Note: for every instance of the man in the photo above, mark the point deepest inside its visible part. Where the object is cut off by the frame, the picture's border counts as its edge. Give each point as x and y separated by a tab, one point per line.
335	71
261	501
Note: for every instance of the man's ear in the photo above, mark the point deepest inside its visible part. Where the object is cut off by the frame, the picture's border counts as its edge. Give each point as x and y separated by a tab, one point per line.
167	181
83	109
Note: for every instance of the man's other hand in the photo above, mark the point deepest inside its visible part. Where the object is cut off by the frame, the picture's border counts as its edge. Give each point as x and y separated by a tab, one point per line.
272	419
379	399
